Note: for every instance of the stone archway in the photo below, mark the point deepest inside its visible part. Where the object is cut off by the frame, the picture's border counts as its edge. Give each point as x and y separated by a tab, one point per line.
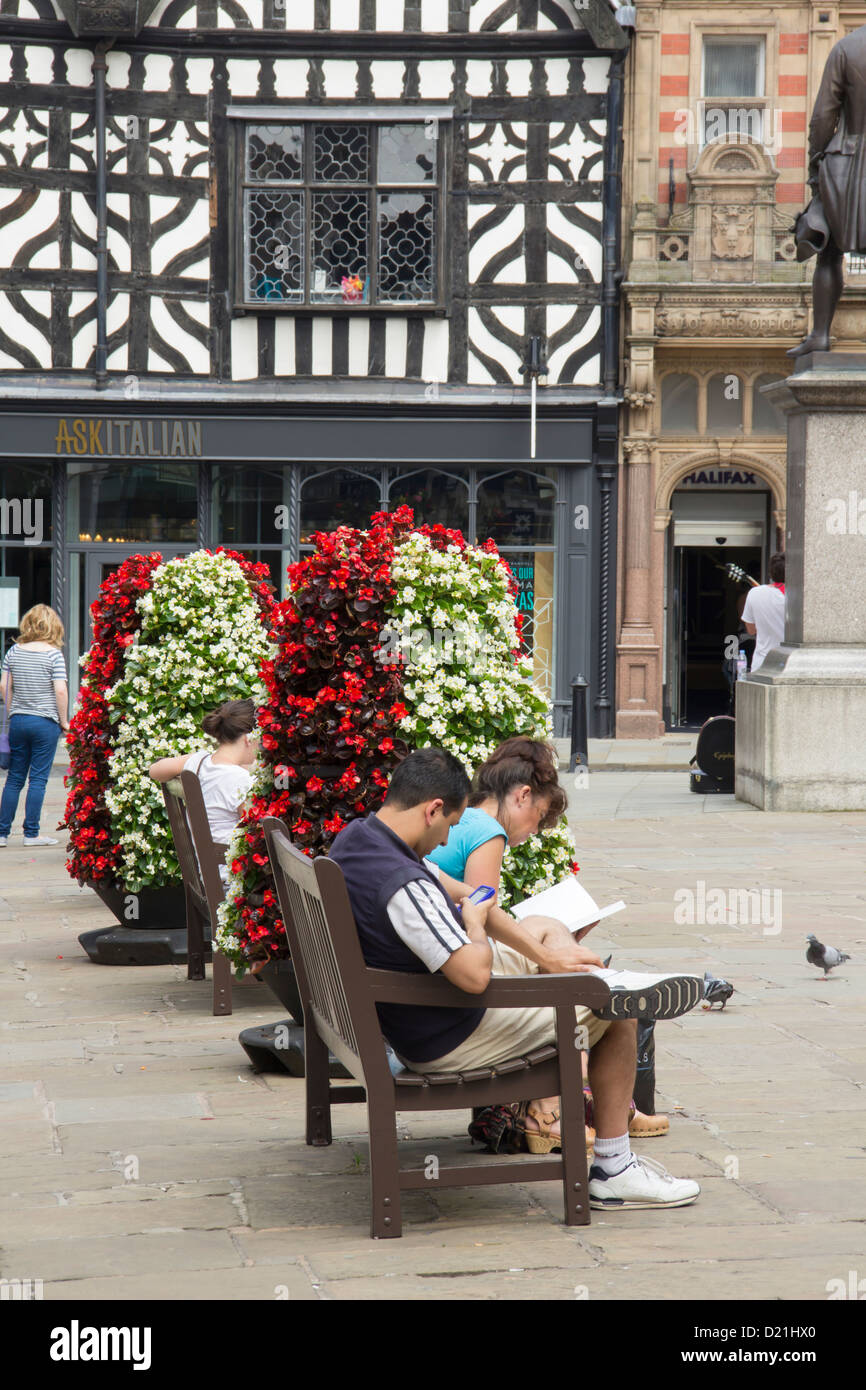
672	468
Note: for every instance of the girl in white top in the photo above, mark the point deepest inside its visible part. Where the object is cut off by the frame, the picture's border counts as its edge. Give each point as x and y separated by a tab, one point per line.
224	772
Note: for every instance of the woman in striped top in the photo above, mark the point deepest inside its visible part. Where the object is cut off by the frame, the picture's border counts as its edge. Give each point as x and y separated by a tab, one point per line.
36	697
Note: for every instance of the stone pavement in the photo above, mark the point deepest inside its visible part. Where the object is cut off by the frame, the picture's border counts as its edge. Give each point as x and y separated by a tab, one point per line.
140	1157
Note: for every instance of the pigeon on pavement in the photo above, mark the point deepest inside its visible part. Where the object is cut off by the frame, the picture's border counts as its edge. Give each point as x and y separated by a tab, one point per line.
824	957
716	991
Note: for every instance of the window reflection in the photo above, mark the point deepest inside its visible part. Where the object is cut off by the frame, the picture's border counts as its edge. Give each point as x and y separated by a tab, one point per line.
435	497
337	497
149	502
680	403
766	418
248	502
724	404
516	508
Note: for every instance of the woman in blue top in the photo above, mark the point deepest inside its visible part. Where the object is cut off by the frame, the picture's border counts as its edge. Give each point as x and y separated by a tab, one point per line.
515	794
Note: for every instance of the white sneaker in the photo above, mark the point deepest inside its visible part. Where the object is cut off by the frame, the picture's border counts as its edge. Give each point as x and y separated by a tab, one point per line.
3	841
40	840
644	1183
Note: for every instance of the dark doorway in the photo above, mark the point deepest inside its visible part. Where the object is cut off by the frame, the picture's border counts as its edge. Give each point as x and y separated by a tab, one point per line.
707	605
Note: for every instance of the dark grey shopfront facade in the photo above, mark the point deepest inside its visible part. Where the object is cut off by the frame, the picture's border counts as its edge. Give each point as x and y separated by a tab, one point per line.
117	477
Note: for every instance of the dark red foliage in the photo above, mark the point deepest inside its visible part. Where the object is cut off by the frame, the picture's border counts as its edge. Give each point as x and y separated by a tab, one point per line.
329	729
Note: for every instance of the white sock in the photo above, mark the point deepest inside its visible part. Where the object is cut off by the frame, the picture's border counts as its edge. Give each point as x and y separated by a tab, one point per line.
612	1155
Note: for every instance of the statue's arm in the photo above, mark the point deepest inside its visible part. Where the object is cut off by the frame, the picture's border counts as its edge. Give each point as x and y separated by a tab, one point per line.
828	109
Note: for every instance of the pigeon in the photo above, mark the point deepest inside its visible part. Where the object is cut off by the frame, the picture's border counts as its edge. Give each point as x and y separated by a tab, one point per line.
716	991
824	957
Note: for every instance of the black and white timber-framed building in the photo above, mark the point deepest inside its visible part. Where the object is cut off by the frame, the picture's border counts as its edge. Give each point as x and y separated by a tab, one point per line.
270	265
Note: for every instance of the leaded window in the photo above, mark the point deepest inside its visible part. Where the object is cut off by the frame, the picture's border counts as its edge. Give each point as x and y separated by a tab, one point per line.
341	213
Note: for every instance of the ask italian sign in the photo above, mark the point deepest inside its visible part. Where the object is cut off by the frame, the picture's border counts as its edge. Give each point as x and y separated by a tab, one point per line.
82	435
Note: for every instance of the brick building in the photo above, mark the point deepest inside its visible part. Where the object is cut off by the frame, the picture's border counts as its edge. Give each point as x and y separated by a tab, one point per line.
718	100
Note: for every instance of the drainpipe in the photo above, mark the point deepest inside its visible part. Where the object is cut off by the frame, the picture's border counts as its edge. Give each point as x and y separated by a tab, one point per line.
612	275
100	68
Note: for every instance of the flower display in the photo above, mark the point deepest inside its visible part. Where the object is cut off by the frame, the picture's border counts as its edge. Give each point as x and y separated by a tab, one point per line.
391	638
94	853
171	641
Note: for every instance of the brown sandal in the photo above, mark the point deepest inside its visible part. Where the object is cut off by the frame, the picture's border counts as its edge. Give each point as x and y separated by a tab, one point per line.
541	1140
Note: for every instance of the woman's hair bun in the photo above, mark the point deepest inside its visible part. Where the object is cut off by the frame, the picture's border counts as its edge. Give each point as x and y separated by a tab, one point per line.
230	720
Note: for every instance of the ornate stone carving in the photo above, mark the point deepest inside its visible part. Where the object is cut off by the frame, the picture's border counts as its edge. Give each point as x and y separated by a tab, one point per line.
730	322
121	18
733	161
733	233
637	450
673	465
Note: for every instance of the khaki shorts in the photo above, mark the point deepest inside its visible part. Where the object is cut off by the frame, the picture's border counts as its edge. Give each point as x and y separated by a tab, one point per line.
506	1033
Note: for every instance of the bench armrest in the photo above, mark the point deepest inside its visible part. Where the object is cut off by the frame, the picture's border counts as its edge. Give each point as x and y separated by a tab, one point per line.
503	992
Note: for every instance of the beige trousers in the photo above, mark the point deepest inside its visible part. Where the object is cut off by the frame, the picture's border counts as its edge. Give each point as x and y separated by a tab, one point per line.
506	1033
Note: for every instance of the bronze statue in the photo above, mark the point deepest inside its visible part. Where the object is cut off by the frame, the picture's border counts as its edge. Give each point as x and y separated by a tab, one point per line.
835	220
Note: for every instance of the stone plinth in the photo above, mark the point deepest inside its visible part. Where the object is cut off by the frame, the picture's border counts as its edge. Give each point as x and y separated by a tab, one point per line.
801	719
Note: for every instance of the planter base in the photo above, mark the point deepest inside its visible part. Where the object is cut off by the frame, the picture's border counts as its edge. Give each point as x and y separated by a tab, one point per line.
278	1047
137	946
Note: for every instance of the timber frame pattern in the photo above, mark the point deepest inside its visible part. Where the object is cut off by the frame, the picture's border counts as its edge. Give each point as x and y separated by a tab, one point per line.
528	192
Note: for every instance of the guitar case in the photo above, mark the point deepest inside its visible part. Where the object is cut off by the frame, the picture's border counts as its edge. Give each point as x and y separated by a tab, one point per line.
714	757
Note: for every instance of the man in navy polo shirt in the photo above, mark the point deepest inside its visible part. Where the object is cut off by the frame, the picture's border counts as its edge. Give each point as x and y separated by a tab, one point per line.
407	919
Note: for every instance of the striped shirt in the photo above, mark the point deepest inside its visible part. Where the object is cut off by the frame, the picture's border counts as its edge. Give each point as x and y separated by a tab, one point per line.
422	921
33	673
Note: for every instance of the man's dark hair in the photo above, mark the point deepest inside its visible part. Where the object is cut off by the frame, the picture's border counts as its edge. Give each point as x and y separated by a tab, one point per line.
428	774
777	568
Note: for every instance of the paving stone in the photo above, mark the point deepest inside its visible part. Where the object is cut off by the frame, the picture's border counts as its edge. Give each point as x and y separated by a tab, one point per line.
72	1222
132	1062
281	1282
121	1255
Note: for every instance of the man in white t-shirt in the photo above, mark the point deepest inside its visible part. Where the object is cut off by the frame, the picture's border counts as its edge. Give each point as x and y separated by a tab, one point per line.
764	612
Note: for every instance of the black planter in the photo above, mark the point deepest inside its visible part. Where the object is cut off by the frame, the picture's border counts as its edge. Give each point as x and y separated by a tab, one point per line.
156	936
279	976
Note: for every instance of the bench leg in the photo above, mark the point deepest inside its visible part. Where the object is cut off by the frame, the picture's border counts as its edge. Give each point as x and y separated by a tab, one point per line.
575	1177
194	943
386	1220
318	1088
222	983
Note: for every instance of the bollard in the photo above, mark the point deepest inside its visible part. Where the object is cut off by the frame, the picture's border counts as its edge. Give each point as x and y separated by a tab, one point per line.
579	755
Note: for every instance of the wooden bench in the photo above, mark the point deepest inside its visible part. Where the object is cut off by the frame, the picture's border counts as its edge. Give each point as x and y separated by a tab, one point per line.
339	994
200	858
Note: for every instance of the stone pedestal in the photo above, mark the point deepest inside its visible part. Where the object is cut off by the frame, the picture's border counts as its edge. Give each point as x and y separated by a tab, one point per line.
801	719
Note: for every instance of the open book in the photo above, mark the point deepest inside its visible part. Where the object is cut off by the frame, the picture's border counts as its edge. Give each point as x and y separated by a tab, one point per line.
568	902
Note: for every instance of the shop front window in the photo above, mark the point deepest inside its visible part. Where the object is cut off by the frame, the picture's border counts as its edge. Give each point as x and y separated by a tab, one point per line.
337	497
25	542
437	498
147	502
516	508
251	504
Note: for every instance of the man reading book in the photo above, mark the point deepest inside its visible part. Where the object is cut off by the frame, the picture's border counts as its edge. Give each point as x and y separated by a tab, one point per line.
408	919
